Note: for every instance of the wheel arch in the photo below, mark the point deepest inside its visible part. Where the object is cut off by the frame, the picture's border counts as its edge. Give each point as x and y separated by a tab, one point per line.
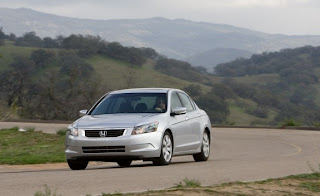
170	132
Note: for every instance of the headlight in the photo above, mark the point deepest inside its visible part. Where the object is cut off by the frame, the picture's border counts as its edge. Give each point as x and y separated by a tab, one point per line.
72	130
147	128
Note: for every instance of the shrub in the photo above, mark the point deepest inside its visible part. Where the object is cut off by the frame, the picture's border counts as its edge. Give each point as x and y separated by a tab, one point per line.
290	123
62	132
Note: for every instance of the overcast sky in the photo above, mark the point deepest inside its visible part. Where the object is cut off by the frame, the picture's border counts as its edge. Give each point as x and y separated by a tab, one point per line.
270	16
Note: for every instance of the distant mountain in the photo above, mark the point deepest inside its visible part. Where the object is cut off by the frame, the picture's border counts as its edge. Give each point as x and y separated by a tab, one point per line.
210	58
175	38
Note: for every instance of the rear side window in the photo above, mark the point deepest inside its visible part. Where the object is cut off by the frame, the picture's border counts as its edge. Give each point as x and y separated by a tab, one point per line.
186	102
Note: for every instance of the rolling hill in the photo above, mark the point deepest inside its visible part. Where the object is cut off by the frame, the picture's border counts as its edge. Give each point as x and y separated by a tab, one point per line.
266	89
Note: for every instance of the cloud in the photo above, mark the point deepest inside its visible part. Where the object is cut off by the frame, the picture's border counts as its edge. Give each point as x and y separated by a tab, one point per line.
265	3
275	16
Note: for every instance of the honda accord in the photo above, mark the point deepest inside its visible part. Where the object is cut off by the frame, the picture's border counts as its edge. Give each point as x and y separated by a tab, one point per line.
139	124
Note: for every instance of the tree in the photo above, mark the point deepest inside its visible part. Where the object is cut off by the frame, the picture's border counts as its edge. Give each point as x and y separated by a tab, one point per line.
149	53
223	91
135	56
2	37
50	43
179	69
74	66
29	39
86	45
2	34
16	82
41	57
216	108
11	37
193	90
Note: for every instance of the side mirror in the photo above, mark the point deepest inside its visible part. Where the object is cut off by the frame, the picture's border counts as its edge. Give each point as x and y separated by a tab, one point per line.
83	112
178	111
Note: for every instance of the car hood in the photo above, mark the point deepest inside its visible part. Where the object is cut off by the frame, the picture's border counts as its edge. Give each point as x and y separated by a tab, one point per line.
111	120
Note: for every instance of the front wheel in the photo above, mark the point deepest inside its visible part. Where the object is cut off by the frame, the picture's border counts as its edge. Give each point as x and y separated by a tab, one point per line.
166	150
77	165
205	149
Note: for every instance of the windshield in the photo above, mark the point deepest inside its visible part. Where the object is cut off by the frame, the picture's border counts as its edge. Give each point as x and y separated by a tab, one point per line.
132	103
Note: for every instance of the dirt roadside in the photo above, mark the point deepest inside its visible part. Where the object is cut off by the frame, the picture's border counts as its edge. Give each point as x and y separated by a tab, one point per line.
44	127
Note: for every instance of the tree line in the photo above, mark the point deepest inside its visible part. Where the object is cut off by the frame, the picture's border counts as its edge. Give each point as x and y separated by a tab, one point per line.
85	45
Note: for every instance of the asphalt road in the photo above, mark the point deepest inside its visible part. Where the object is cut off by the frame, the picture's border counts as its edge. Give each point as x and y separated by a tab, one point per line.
236	155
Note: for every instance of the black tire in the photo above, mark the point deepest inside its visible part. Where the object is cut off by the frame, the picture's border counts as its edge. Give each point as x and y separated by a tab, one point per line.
205	149
77	164
124	163
166	150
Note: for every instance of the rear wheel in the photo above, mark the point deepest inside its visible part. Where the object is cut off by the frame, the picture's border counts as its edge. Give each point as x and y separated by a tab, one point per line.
205	149
124	163
166	150
77	164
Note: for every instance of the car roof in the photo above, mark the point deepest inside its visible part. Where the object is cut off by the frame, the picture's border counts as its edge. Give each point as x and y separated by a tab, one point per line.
144	90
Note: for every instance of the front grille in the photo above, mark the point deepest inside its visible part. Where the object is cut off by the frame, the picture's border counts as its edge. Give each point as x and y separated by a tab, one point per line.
103	149
109	133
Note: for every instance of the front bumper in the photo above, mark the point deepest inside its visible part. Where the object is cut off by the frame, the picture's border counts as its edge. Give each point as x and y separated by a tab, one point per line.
135	147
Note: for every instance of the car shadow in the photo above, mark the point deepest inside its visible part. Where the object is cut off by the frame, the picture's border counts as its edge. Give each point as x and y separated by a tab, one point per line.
95	167
139	165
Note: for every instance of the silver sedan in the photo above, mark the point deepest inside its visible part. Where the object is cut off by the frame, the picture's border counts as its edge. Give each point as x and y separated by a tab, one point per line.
139	124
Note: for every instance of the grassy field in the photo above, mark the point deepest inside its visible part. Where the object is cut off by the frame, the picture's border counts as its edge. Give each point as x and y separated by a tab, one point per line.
261	79
30	147
116	74
9	51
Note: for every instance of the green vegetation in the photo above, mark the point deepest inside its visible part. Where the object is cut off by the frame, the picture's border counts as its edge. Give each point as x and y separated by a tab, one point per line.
30	147
56	81
53	79
290	123
47	192
284	82
120	74
62	132
187	183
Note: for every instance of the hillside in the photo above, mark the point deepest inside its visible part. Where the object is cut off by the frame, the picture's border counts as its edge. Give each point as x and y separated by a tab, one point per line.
177	38
291	81
113	73
64	83
54	81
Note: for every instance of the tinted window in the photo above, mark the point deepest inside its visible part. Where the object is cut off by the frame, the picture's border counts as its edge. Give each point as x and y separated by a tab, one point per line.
186	102
175	101
132	103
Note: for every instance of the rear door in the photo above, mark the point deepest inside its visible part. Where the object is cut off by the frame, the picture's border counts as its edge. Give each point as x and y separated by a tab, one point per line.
193	121
182	132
